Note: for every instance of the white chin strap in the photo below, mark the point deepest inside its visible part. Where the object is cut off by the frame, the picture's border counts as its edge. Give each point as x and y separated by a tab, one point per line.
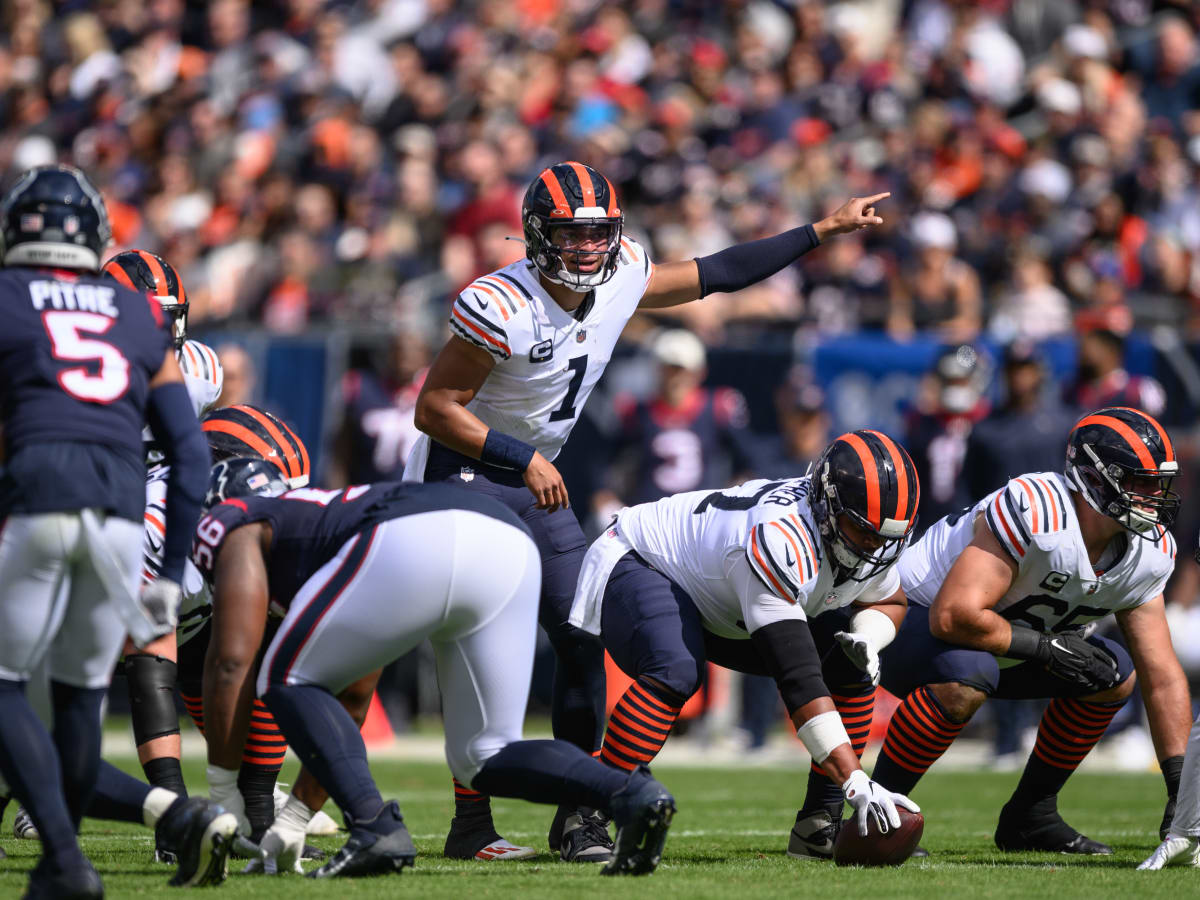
571	279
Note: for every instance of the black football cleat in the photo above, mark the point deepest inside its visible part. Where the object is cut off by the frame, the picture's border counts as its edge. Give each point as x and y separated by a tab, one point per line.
80	882
200	834
813	835
376	847
642	811
1040	827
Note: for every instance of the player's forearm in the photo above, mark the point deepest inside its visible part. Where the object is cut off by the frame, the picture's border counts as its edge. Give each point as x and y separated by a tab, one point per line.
1168	708
742	265
451	424
969	626
228	695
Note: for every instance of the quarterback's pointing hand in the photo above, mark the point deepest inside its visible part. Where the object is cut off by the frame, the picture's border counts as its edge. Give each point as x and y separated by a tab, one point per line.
856	213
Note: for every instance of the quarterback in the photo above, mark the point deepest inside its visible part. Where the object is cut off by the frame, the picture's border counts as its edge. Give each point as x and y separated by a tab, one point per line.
529	343
1000	597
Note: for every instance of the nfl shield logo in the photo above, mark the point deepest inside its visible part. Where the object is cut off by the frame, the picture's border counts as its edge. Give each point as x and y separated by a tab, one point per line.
580	336
71	225
467	474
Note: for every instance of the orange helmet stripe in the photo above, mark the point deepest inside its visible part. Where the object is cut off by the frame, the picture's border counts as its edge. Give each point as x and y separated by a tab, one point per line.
585	183
111	268
613	209
1136	444
871	471
1162	433
561	207
290	457
901	475
156	270
248	437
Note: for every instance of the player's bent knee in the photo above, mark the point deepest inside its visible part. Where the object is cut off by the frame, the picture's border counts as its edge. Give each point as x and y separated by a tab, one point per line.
1117	693
465	761
959	701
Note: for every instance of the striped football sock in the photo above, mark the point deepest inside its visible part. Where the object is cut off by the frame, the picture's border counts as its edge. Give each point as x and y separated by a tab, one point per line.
1069	730
917	736
856	710
639	726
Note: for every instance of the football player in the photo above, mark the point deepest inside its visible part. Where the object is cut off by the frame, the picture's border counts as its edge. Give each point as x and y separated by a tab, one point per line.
84	364
150	673
765	578
1001	596
331	562
528	344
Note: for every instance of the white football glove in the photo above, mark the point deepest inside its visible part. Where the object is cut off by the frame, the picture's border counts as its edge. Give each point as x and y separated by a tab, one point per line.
873	801
283	844
223	789
1176	850
859	648
160	601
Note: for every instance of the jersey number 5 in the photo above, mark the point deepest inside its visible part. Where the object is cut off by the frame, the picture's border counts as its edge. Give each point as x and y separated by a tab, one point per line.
578	367
67	343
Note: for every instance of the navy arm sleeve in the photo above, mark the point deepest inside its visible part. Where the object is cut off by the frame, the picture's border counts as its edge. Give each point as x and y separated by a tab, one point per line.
177	430
745	264
790	655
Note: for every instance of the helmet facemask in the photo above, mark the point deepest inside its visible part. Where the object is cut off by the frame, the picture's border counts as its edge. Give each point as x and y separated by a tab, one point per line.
1140	499
176	312
559	246
858	551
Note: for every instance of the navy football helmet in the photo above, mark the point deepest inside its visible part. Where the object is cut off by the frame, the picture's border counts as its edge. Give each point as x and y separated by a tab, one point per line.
567	206
865	499
150	274
1123	463
53	217
242	477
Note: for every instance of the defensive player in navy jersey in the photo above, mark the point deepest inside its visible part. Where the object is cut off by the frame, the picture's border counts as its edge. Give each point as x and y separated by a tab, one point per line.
999	597
360	576
530	342
84	363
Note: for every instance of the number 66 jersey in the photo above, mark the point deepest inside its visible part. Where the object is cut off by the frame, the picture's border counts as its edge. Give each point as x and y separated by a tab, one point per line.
1056	588
548	360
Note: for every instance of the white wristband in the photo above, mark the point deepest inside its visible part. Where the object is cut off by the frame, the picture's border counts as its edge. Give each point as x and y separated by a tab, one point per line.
877	627
821	734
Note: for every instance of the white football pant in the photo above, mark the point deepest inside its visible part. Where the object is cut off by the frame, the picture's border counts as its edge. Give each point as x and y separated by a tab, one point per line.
468	582
1187	803
53	604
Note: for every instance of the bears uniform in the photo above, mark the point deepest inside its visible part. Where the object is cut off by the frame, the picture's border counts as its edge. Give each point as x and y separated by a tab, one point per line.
470	578
1120	464
548	360
705	540
755	578
1056	588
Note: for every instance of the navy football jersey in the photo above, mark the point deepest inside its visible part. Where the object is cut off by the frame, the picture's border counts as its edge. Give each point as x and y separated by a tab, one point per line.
309	525
380	425
703	441
77	353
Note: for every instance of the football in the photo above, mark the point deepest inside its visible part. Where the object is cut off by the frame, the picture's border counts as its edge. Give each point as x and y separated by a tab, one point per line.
889	849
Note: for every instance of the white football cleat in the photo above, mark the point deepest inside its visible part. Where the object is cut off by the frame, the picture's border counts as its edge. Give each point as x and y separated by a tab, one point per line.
1176	850
502	849
23	827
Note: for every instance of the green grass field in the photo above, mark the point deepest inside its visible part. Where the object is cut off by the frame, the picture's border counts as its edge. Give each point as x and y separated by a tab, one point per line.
727	841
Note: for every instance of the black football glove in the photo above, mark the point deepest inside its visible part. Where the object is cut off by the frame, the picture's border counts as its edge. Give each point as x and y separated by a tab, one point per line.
1068	656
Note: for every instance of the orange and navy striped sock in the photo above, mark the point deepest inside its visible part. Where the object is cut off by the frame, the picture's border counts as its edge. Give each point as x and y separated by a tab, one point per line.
1069	730
639	725
856	705
195	709
262	758
917	736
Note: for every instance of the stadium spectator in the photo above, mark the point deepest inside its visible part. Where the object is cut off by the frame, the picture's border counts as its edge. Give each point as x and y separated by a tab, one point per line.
1101	379
240	376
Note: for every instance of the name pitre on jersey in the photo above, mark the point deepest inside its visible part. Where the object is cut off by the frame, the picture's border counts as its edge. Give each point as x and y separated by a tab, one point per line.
701	538
547	360
1056	588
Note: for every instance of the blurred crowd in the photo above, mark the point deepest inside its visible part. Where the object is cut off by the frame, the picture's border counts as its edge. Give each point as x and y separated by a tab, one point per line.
358	161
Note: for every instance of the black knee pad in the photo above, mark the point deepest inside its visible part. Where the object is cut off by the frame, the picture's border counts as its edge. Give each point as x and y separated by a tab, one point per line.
151	696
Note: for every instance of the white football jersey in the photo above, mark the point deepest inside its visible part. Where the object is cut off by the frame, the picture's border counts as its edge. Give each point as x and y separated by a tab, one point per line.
196	604
1056	588
547	360
202	376
700	540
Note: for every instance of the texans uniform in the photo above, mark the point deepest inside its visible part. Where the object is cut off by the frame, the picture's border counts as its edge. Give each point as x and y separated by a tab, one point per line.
77	354
362	575
1056	588
382	427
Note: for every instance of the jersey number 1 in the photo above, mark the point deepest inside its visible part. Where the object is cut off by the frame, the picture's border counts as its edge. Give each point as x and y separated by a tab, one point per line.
578	367
67	343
